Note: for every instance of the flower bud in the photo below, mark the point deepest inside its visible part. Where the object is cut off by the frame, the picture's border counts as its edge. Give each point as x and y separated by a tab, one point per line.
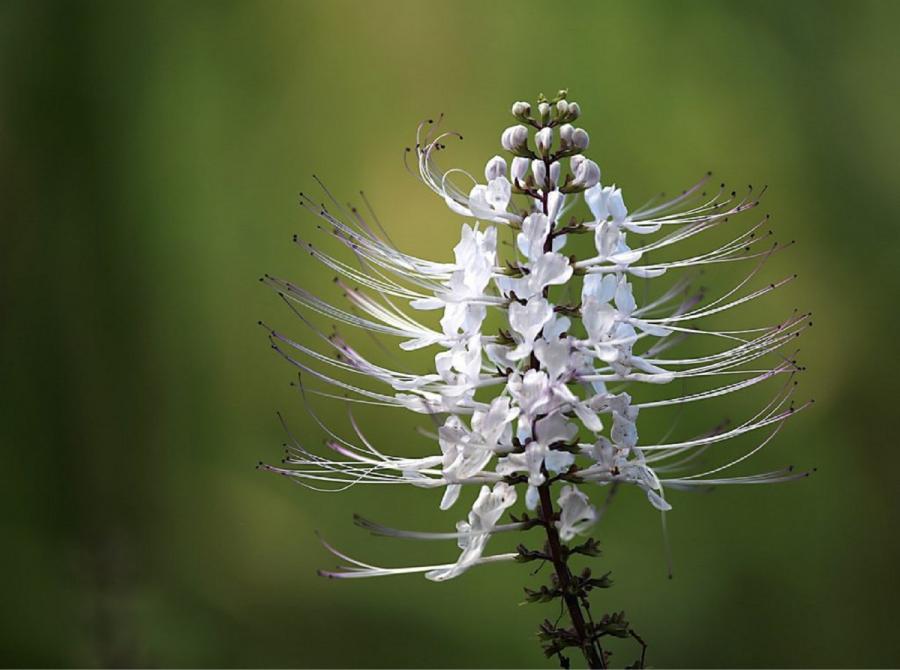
587	175
562	109
539	170
496	167
519	169
555	201
544	139
574	111
544	111
521	110
580	138
554	173
565	134
574	162
514	138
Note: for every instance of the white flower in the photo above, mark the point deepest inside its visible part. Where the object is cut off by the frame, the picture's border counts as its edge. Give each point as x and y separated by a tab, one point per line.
547	269
530	241
607	203
538	455
550	269
474	535
529	389
527	321
576	513
494	425
463	297
485	202
533	394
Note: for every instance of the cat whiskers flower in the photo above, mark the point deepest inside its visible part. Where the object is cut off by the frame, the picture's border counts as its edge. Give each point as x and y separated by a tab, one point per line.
544	411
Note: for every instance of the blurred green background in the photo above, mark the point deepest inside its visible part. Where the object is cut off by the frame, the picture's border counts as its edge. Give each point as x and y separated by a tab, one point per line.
151	154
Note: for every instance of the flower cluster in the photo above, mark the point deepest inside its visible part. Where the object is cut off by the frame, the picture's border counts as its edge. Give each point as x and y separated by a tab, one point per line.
548	397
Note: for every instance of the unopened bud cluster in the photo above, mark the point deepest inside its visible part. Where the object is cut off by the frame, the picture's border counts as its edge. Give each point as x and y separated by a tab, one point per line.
555	139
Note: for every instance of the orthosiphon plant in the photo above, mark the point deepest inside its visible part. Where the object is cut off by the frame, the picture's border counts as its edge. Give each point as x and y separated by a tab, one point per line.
540	412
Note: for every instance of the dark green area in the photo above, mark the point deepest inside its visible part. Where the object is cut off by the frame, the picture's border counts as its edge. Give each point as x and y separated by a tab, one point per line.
150	156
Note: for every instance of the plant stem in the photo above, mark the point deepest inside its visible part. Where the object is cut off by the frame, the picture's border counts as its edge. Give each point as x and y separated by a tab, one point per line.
593	654
592	651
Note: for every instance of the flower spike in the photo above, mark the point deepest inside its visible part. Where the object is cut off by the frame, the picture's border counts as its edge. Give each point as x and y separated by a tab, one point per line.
541	413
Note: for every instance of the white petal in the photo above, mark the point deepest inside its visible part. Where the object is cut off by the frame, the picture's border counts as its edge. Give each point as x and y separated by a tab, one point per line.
607	239
496	167
647	273
550	269
527	320
576	513
596	198
499	356
456	207
532	497
616	205
553	355
601	287
658	501
556	327
426	303
519	169
498	194
590	419
558	461
539	171
555	428
626	257
559	242
555	203
530	241
451	494
625	297
599	320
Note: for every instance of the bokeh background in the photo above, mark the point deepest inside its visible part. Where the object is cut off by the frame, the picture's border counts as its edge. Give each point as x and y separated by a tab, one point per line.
151	155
